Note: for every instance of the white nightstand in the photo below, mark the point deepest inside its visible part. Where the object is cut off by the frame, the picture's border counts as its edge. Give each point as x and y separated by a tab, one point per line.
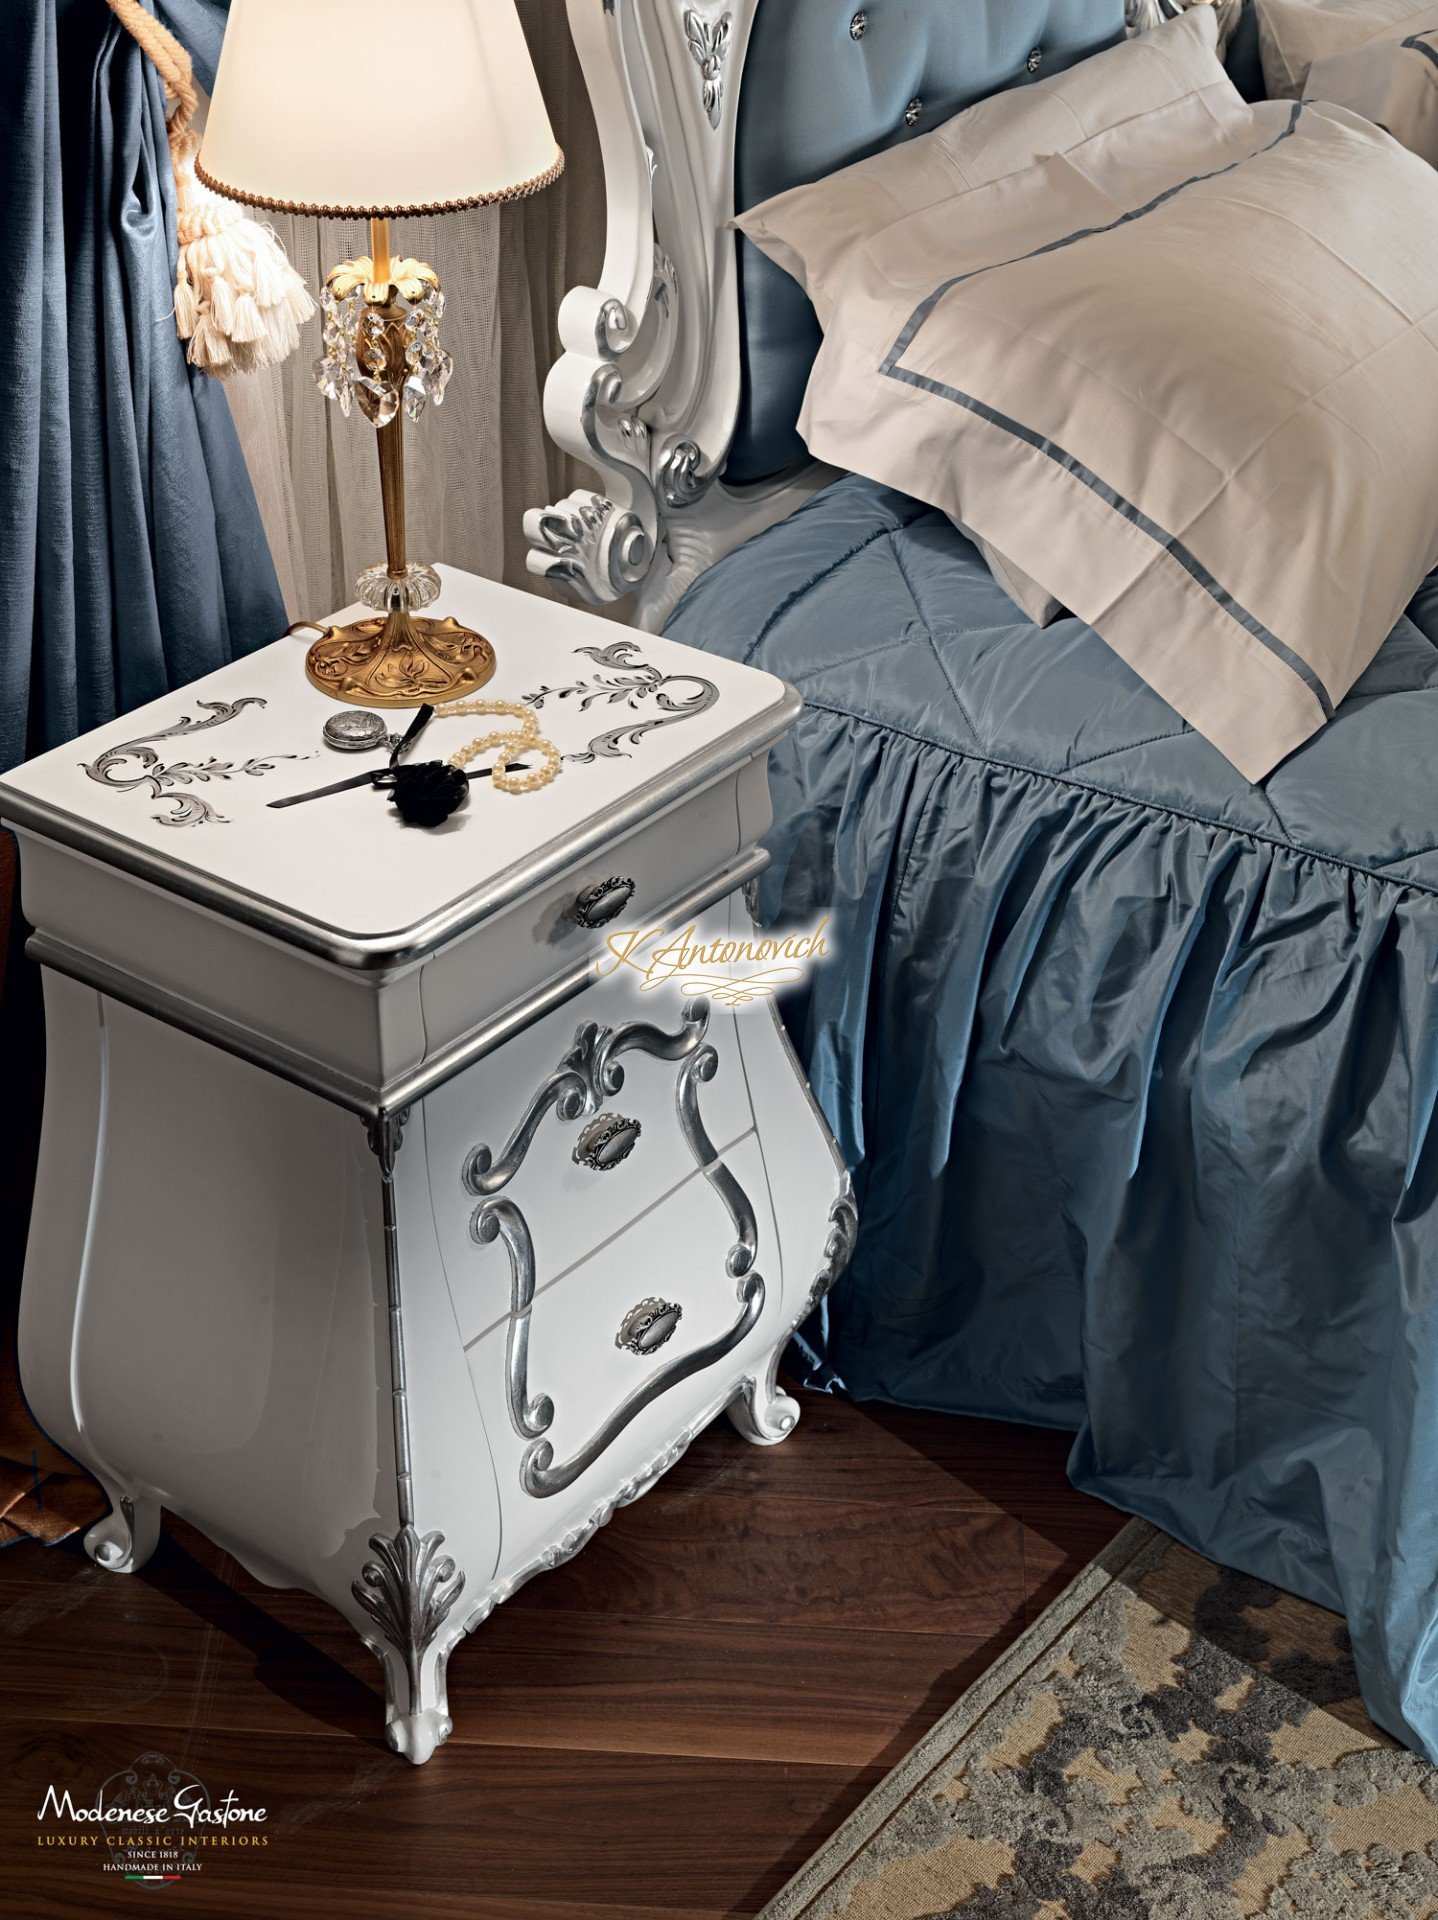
373	1234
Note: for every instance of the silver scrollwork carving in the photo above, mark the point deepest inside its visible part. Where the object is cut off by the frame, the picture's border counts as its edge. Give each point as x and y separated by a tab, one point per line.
538	1473
501	1219
578	1537
589	541
838	1244
683	478
410	1586
186	810
708	42
702	1066
590	1073
590	546
587	1076
761	1412
569	1089
408	1590
615	332
629	681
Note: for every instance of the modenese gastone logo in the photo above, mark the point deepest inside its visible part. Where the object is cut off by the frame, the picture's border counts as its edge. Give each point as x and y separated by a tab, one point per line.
191	1808
155	1821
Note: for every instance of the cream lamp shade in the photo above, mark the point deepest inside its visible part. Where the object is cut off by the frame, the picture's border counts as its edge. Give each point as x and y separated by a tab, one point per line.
376	108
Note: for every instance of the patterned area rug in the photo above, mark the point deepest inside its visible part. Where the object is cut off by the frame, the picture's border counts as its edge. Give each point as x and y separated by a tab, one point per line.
1169	1741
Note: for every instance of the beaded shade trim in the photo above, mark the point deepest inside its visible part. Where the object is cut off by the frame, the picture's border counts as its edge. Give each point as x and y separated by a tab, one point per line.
502	194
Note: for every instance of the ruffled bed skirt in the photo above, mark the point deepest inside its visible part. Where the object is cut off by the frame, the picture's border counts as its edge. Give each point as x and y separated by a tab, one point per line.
1139	1100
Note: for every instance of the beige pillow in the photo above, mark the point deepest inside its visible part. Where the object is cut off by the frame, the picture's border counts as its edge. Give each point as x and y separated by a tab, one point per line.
1379	58
811	231
1185	376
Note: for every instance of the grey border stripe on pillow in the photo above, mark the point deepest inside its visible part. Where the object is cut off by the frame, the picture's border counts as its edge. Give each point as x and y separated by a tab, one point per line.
926	306
1419	43
1190	562
1111	497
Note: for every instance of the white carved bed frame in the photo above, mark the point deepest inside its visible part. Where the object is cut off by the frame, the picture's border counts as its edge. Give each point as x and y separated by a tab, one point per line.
647	389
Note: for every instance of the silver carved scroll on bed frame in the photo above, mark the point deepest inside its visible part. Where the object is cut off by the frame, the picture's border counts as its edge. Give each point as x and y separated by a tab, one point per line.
647	389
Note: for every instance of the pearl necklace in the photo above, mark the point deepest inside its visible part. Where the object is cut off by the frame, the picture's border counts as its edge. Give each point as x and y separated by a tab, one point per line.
512	746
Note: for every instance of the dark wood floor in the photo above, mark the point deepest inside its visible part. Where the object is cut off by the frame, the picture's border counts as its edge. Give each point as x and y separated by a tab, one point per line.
664	1728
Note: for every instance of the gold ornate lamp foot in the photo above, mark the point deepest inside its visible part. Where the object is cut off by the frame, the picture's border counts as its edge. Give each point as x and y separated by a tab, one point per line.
396	659
381	347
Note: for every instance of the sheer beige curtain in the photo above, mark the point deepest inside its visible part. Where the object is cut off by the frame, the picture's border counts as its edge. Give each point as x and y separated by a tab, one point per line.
476	463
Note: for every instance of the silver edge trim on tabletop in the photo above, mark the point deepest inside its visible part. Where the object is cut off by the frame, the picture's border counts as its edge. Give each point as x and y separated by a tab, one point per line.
357	1096
406	944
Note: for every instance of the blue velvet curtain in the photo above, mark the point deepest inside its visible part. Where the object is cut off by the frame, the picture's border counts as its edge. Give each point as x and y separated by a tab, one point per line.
132	556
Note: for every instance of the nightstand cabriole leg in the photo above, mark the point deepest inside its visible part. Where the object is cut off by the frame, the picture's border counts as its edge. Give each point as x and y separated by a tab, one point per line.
763	1412
410	1586
124	1540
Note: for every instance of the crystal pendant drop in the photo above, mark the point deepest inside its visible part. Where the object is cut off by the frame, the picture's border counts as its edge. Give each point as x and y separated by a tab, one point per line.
414	397
379	402
332	377
334	370
438	378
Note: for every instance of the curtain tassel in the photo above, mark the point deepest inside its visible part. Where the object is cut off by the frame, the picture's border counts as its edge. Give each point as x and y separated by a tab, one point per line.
238	301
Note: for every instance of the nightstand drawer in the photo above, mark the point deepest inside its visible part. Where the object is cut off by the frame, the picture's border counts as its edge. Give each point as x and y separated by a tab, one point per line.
633	1344
527	1125
476	977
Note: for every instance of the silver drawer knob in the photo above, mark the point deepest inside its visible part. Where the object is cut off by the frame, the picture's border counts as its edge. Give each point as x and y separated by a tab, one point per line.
1035	60
606	1141
645	1328
858	26
912	112
596	906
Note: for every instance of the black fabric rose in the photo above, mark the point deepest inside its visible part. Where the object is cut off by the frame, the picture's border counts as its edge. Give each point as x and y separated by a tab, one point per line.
425	794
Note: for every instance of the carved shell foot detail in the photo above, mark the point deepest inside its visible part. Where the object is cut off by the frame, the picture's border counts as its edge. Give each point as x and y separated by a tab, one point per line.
417	1735
764	1414
124	1540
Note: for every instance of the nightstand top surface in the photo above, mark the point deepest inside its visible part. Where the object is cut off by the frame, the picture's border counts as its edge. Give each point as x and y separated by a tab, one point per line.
641	720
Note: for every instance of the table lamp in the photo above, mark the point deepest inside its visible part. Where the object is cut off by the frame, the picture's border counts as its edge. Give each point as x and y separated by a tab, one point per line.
352	108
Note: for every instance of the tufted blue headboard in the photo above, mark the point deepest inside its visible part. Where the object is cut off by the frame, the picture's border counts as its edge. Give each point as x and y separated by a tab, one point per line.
827	82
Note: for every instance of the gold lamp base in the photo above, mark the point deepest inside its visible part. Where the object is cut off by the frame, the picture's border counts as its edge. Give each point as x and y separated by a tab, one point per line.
400	659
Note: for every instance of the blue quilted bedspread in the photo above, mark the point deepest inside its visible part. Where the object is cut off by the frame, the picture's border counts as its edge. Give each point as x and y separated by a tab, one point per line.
1135	1062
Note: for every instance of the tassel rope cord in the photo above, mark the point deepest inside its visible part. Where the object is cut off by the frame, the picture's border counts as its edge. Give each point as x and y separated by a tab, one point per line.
238	301
166	54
